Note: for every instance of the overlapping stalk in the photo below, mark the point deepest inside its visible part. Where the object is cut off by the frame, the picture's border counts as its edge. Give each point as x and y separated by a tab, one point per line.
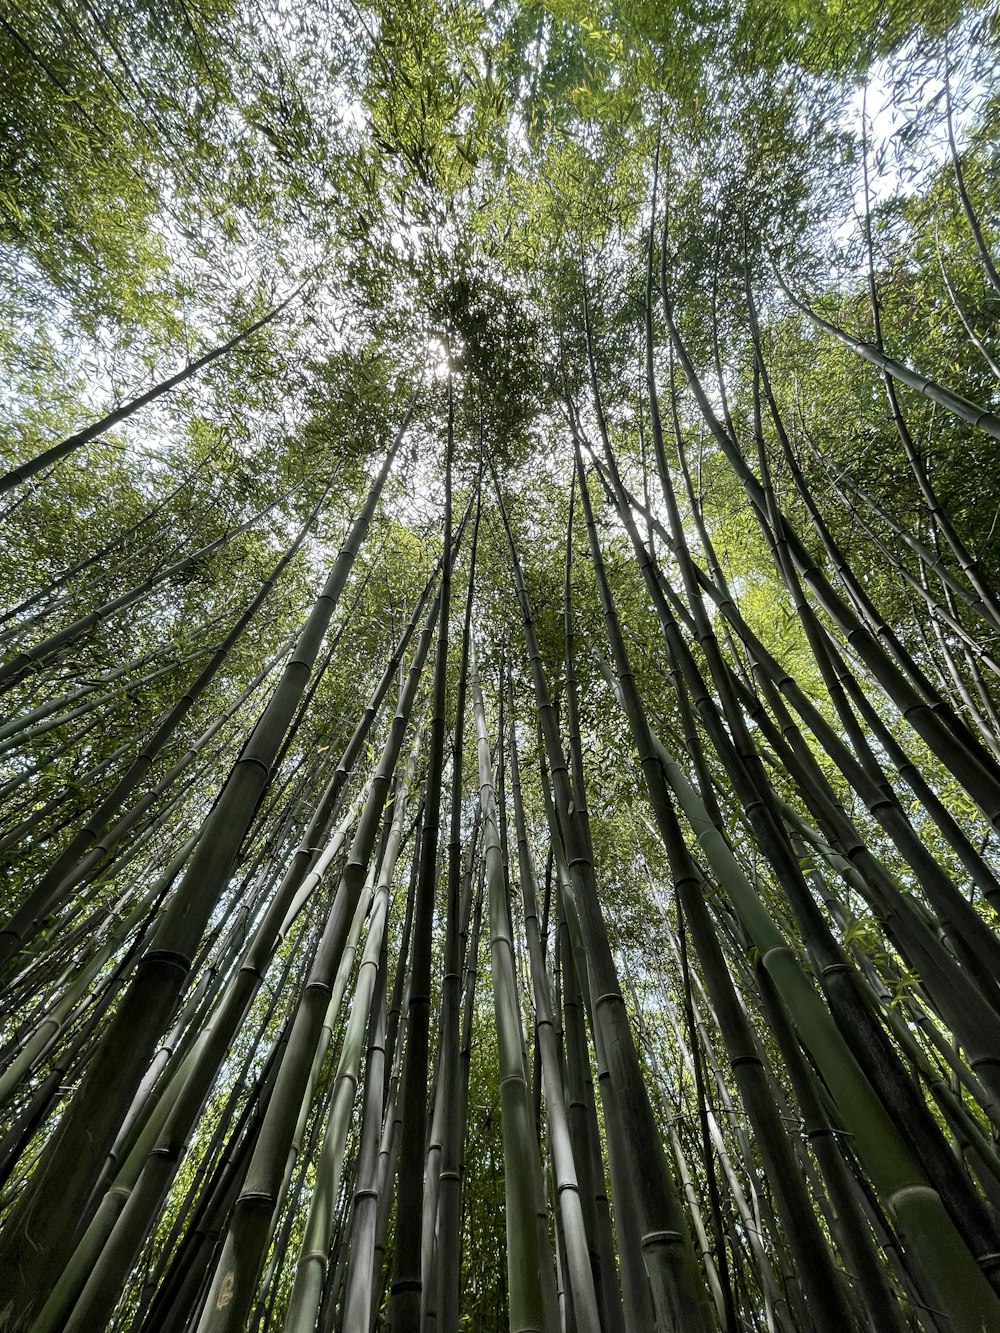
38	1239
522	1169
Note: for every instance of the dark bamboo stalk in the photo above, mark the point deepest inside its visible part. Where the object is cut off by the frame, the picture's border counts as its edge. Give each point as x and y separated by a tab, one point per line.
407	1284
101	553
678	1302
813	1266
238	1268
579	1256
64	873
50	1210
73	442
449	1215
23	663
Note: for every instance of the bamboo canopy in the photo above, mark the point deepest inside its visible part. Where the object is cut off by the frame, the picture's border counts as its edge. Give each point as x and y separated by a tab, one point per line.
500	653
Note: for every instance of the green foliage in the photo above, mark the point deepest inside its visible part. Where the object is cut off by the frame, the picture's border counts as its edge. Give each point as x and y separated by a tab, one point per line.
464	193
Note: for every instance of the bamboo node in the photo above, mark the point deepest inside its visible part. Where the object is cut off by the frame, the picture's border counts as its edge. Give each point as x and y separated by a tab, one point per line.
781	949
169	956
257	1199
913	1193
652	1239
252	759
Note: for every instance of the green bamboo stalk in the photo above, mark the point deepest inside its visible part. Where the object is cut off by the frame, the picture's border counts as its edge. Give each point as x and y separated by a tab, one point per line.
391	1114
407	1284
929	956
238	1268
945	735
521	1164
813	1265
854	1237
311	1267
960	923
21	730
50	1209
58	879
581	1277
101	553
777	1313
666	1247
636	1303
581	1111
65	447
109	1248
55	887
169	1295
937	393
446	1127
958	1281
18	667
358	1293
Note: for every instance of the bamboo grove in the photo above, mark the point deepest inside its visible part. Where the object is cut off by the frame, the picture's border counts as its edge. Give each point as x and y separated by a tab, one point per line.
500	755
